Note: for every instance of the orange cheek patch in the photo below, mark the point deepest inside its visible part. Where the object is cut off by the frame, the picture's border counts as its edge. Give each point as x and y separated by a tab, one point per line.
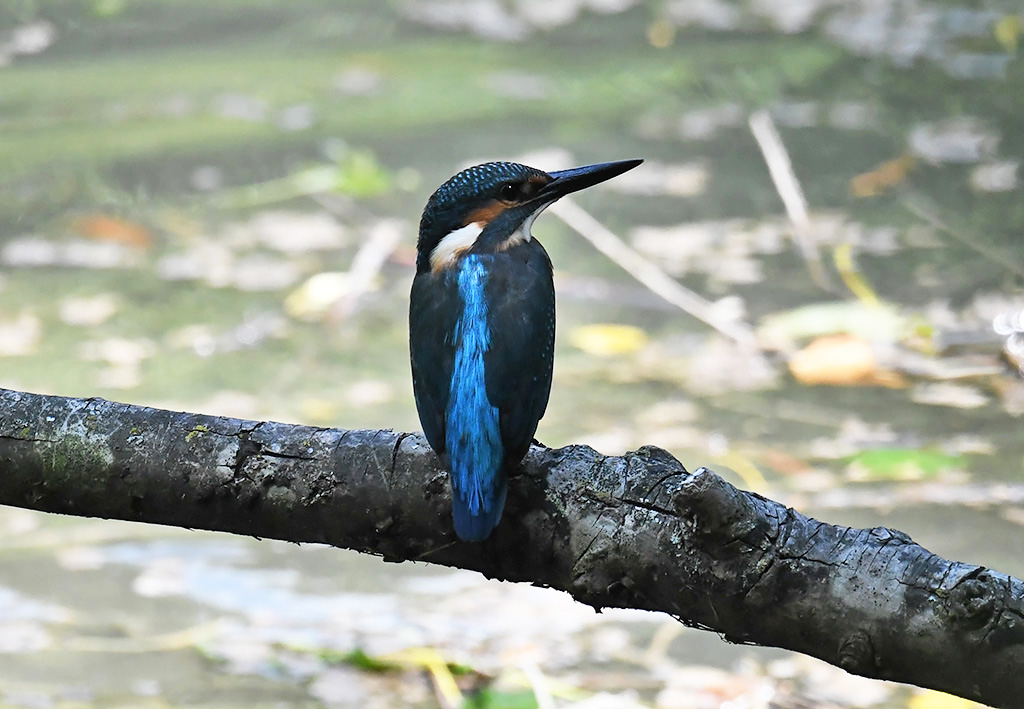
534	184
485	214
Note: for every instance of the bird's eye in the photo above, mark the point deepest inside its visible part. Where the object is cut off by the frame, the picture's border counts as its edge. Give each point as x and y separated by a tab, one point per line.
509	193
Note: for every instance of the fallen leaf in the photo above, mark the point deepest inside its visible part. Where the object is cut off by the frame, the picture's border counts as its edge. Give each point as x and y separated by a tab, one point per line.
661	34
782	462
317	295
607	339
1007	31
930	699
874	324
880	178
840	360
852	276
102	227
901	464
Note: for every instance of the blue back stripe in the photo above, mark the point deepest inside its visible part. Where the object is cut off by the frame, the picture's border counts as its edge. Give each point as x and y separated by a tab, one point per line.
472	431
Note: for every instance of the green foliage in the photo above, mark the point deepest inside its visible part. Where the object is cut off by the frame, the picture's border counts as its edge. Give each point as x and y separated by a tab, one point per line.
902	463
495	699
360	175
359	659
108	8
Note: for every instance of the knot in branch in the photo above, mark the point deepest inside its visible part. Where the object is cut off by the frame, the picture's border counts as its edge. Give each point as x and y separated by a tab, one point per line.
720	513
973	602
857	654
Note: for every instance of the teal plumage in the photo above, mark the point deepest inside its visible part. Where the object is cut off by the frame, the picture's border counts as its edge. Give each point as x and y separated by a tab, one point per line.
482	327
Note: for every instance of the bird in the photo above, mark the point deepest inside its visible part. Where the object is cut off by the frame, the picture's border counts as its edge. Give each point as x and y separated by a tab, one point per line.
482	326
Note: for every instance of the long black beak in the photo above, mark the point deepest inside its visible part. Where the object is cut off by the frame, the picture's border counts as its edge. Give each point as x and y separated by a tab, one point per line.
578	178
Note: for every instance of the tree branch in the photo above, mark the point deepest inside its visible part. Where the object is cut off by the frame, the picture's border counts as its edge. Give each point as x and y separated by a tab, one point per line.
635	531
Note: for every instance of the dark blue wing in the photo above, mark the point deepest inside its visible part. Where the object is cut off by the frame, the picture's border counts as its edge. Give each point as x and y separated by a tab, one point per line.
519	362
434	308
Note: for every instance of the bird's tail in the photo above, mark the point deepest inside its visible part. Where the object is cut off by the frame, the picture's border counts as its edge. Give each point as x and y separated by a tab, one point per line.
477	505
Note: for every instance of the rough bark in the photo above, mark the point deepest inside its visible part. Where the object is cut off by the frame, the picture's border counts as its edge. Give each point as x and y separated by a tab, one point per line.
634	531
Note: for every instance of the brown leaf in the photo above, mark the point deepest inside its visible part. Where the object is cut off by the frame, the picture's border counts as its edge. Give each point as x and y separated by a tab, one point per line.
102	227
782	462
841	360
889	173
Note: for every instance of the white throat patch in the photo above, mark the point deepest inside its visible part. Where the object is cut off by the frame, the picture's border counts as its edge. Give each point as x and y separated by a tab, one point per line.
524	233
451	246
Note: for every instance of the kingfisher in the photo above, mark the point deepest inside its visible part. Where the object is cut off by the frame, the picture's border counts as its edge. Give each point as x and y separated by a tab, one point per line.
482	326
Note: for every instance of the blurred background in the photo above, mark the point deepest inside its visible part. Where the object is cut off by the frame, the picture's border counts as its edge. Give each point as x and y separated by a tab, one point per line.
211	205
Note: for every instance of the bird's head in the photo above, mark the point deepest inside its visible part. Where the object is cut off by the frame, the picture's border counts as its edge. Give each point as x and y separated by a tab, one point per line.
491	207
